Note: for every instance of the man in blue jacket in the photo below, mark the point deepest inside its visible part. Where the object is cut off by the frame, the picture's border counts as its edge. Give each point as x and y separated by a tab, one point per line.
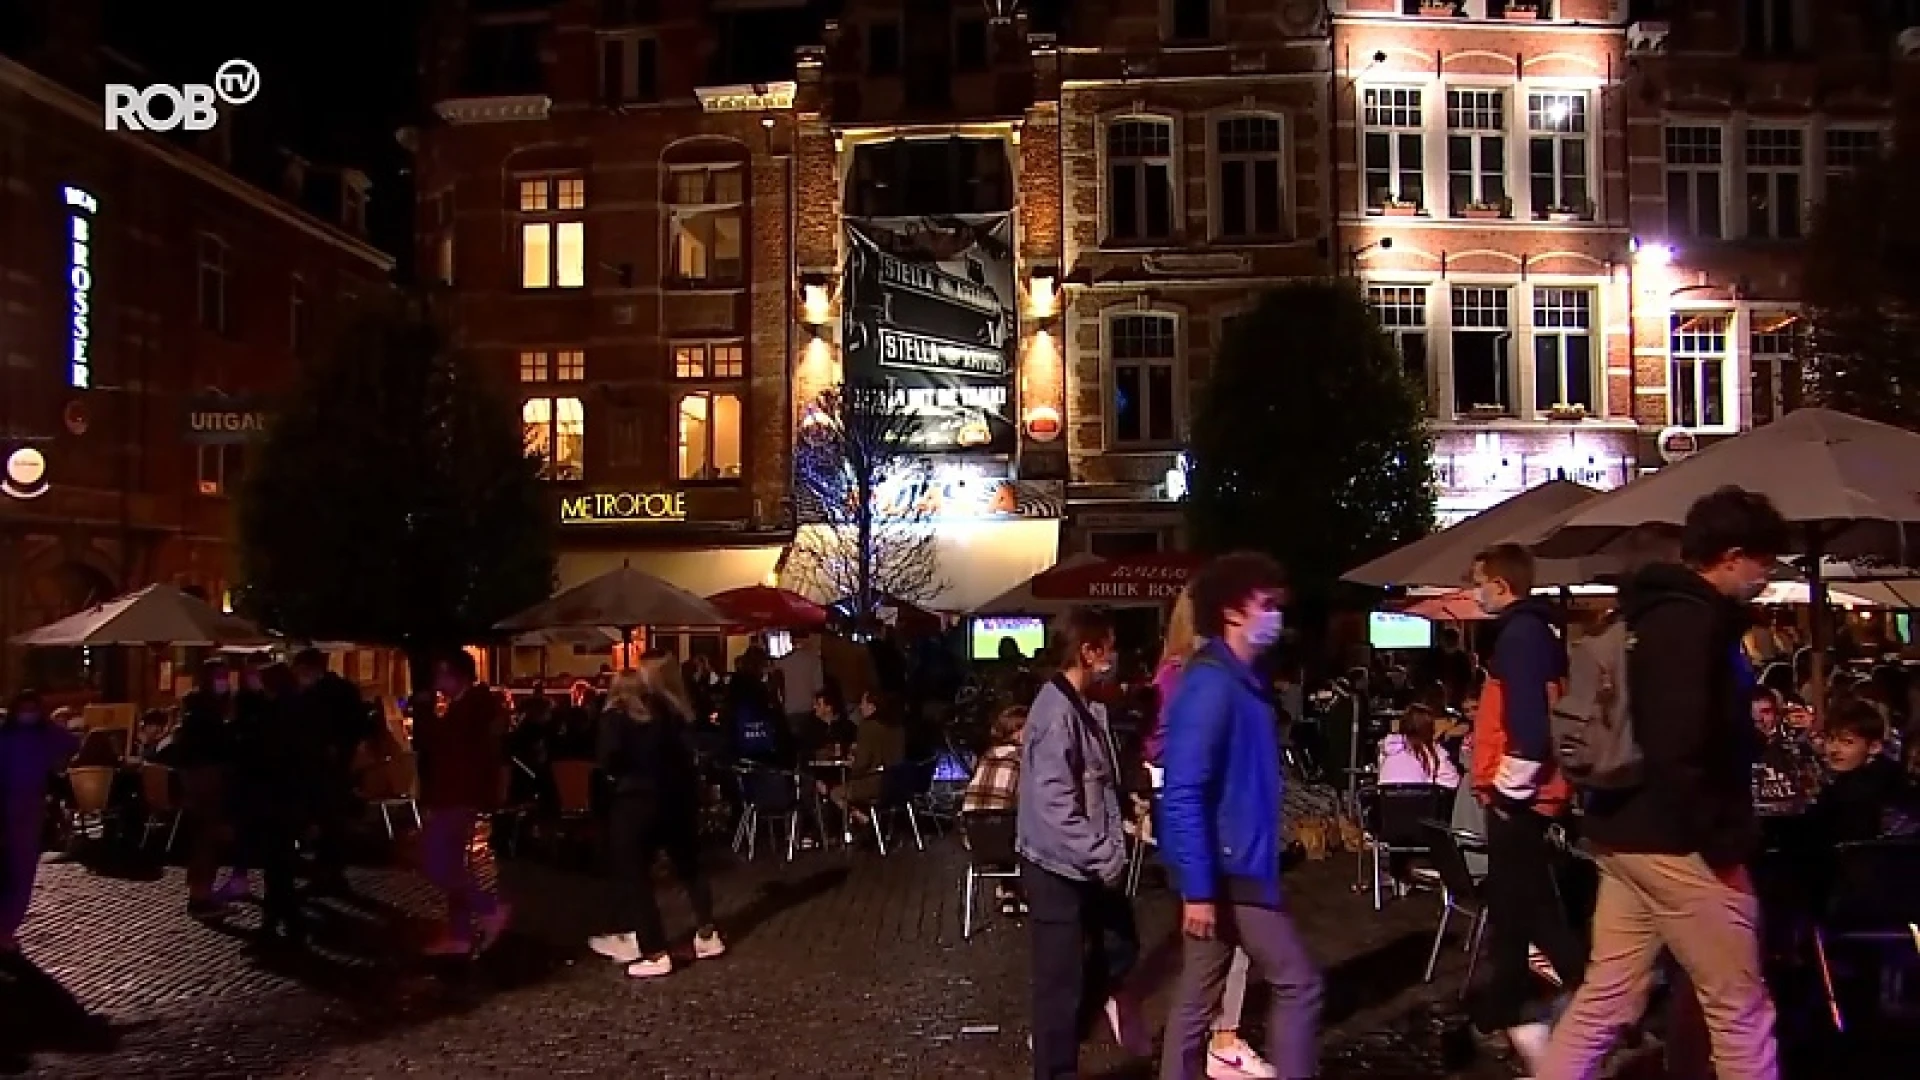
1220	826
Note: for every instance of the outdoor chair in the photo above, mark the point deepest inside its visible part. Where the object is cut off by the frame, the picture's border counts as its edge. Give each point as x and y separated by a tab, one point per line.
768	796
1392	817
393	786
989	835
1460	891
900	787
163	807
92	798
1872	903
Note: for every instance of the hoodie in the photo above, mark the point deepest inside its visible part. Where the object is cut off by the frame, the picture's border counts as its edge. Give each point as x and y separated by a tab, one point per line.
1689	686
1512	733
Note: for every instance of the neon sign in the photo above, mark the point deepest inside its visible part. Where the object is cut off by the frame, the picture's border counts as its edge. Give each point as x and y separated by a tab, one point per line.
81	207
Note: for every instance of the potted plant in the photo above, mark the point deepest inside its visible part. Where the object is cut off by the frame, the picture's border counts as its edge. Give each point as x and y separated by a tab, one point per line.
1566	412
1394	207
1487	411
1581	211
1440	9
1526	9
1487	209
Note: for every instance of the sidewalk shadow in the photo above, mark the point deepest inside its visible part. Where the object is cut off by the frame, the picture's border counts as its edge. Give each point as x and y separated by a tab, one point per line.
777	897
1377	975
38	1015
117	861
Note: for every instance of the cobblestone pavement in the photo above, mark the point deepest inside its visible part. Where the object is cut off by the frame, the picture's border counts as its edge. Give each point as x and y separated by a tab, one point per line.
840	966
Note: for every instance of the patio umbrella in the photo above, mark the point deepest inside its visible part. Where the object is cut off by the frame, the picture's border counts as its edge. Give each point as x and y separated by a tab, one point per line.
1459	605
155	615
764	607
1133	580
1443	557
623	599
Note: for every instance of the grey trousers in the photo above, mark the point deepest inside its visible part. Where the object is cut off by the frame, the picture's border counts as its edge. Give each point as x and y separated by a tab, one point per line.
1281	960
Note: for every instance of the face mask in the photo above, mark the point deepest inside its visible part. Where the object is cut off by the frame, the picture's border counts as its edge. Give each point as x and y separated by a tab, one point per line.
1264	629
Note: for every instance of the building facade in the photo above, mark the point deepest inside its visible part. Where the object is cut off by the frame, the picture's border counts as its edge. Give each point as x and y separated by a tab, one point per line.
150	302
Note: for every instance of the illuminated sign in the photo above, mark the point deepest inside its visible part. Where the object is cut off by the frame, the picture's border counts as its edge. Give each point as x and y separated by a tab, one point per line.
1476	469
26	476
81	207
623	507
224	420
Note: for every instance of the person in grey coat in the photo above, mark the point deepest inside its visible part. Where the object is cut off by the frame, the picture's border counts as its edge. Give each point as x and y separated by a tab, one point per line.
1073	857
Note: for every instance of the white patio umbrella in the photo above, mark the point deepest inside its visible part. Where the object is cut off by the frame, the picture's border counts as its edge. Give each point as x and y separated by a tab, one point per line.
623	599
155	615
1443	558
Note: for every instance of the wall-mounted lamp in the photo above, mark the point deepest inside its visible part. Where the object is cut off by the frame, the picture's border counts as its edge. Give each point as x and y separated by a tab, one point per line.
1651	255
816	301
1043	289
1385	243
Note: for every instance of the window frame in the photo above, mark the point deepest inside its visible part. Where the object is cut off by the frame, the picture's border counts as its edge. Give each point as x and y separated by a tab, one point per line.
1397	169
710	389
1109	162
1478	174
553	218
212	261
1218	159
551	468
1829	171
1729	370
1582	104
228	471
1590	331
1772	174
1784	392
1170	23
711	209
1175	363
1720	170
1397	331
1757	41
1508	373
710	370
634	45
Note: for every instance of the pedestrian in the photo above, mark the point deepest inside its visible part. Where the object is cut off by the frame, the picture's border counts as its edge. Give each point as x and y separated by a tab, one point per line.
1516	780
340	723
1073	858
31	749
1221	832
204	748
460	751
1673	848
275	778
646	751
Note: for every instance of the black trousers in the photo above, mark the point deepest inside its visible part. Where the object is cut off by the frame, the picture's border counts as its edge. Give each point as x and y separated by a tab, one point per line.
1523	908
639	830
270	844
1084	945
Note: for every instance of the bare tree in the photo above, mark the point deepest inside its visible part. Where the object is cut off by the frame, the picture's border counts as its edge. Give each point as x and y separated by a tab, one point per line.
859	480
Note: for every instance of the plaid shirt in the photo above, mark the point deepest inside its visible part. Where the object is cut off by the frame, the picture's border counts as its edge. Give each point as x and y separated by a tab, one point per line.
996	782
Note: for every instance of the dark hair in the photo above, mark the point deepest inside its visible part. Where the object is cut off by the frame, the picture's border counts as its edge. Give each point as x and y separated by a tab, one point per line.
1416	730
277	680
1086	628
310	660
1226	583
1859	718
1510	563
20	701
210	669
1732	519
460	665
1007	725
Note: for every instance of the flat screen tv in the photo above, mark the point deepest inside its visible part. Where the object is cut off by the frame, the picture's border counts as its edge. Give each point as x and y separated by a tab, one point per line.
986	631
1391	630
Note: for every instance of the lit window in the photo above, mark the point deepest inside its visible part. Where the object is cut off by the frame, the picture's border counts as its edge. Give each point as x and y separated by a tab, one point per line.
1402	311
1557	172
1393	148
1139	195
709	360
709	430
553	252
569	365
212	280
533	367
1563	350
1698	364
706	218
1143	351
1776	160
1476	151
555	430
1696	161
1482	351
1252	187
1775	343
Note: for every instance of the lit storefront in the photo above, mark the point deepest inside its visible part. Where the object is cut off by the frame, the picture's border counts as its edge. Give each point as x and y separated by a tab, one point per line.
1477	469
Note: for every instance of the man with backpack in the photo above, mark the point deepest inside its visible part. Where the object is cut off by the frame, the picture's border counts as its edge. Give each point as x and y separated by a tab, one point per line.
1655	733
1515	777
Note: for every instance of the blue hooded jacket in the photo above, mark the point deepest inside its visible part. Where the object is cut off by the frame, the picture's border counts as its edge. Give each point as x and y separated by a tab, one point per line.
1221	800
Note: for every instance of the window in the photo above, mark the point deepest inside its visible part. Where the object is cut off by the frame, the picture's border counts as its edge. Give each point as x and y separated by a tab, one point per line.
710	360
1847	149
1402	310
1482	351
299	316
1140	180
970	49
219	468
629	69
1772	27
1695	159
555	429
212	280
443	257
1252	193
1557	155
706	213
553	250
1476	150
1190	20
1775	344
1697	351
1563	350
709	426
883	48
1394	146
567	365
1144	357
1775	160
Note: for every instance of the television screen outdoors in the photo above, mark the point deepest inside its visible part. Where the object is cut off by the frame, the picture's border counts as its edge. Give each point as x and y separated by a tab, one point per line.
986	631
1390	630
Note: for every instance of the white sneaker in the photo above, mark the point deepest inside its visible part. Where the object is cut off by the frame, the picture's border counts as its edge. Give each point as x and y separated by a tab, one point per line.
708	945
619	948
1237	1062
1530	1042
650	969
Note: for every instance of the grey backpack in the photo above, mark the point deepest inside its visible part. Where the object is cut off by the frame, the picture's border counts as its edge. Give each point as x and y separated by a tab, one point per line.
1592	723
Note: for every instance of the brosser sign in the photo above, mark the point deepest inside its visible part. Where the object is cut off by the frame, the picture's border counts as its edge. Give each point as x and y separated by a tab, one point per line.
623	507
81	207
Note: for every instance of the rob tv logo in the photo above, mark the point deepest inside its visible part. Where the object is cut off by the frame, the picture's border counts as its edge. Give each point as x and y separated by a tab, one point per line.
163	107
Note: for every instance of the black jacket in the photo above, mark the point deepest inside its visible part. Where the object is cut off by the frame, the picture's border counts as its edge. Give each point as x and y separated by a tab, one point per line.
1854	806
1690	689
340	720
649	756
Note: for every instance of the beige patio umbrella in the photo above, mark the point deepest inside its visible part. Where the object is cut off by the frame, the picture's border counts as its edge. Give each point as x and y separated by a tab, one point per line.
155	615
1443	558
623	599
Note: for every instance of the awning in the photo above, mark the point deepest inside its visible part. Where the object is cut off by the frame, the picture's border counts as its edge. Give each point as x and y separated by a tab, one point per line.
700	571
1129	582
977	560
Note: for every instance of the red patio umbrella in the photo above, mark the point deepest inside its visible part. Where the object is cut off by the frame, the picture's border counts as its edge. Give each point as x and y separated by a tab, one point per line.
1460	605
762	607
1135	579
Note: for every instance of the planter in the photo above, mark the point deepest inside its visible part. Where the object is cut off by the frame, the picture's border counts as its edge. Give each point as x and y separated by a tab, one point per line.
1483	213
1523	14
1439	9
1567	413
1565	216
1399	210
1489	412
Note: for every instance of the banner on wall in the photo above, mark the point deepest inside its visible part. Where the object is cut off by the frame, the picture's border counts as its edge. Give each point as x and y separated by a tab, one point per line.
930	317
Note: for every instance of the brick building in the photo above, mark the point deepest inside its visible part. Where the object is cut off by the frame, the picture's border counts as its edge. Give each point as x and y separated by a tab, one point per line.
607	199
150	298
